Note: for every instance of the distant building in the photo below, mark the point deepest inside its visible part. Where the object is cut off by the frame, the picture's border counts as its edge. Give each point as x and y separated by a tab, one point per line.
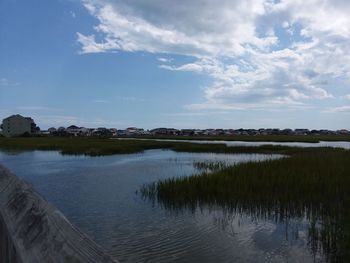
159	131
134	131
164	131
343	131
17	125
52	130
73	130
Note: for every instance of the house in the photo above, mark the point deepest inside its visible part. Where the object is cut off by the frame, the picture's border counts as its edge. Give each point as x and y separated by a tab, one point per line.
301	131
52	130
208	132
121	132
45	132
114	131
287	132
17	125
172	131
102	132
159	131
73	130
187	132
343	132
131	131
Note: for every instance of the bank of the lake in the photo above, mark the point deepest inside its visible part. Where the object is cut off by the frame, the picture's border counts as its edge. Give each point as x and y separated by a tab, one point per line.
254	138
100	146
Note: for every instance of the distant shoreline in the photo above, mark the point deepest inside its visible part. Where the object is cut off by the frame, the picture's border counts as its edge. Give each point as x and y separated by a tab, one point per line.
250	138
100	146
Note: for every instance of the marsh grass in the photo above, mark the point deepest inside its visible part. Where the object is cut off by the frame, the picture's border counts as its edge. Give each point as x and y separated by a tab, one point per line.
313	185
210	166
78	145
99	147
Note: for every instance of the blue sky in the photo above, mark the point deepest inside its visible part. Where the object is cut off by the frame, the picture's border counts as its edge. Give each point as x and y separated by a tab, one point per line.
181	64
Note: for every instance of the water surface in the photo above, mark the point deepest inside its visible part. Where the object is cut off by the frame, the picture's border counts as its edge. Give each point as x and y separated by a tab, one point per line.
333	144
98	194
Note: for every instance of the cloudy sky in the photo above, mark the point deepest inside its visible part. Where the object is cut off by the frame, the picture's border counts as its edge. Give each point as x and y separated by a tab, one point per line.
198	63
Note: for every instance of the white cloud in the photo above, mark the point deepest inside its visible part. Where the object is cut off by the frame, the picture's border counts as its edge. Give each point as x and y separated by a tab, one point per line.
347	96
45	121
165	60
56	120
237	43
89	44
205	28
4	82
339	109
130	99
100	101
35	108
186	114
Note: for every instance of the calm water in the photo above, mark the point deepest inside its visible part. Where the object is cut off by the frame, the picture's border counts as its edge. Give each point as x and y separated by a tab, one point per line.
335	144
98	194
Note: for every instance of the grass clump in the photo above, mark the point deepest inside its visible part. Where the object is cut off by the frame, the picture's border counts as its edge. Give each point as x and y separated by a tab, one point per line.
78	145
313	184
210	166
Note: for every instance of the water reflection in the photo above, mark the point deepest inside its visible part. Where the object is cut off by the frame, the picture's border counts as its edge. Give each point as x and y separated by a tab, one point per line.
273	227
98	195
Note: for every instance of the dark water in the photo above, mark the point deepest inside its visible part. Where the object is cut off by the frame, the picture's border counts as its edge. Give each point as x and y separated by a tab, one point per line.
98	194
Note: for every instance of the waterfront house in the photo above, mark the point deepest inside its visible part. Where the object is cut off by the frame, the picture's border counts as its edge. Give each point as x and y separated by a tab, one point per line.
17	125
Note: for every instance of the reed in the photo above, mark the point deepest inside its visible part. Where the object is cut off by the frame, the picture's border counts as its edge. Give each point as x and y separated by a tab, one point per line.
99	146
313	184
210	166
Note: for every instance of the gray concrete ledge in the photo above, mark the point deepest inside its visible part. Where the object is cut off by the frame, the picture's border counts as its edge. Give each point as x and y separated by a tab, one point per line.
33	231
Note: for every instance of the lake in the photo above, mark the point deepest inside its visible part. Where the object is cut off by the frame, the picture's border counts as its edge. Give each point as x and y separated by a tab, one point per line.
101	196
333	144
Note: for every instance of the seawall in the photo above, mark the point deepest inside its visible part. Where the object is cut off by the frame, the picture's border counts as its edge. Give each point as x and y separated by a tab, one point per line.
34	231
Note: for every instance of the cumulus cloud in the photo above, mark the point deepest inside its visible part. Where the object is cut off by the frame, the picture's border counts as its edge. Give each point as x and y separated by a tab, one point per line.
259	53
191	28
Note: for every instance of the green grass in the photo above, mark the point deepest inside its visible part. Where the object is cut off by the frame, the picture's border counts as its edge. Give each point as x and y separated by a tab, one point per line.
79	145
97	147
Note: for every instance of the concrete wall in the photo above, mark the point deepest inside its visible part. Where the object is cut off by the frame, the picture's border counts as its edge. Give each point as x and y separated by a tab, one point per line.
34	231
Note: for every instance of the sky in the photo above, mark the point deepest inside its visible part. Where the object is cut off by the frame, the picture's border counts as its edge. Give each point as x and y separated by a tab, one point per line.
182	64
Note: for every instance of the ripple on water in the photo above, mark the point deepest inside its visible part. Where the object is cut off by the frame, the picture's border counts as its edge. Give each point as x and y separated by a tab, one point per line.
98	195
